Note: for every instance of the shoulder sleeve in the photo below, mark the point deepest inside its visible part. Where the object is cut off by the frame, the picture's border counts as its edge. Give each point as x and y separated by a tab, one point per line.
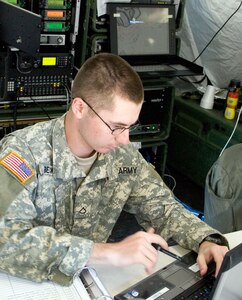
15	175
9	189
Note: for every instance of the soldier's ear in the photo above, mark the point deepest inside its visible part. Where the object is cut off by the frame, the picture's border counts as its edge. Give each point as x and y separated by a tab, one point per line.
78	107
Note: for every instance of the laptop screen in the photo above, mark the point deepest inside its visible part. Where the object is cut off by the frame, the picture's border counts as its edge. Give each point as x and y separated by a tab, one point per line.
145	36
139	29
228	284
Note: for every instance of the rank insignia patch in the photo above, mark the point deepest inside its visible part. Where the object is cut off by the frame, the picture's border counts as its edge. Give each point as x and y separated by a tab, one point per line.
18	166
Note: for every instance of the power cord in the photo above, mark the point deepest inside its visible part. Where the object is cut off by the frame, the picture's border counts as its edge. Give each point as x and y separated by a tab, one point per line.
41	107
68	94
235	126
173	179
196	82
205	76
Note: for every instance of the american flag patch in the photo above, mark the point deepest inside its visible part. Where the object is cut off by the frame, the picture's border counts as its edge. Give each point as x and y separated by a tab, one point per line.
16	165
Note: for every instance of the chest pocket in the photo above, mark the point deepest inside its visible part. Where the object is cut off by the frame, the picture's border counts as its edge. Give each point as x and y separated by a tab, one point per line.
91	204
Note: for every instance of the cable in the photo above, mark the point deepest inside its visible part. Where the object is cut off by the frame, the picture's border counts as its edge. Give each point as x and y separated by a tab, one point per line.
198	81
76	68
68	94
18	66
205	76
173	179
218	32
40	106
235	126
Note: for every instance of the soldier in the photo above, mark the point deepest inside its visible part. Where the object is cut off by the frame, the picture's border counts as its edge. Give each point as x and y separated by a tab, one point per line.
63	186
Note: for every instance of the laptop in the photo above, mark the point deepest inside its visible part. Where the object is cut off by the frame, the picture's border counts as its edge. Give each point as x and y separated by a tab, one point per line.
181	280
145	36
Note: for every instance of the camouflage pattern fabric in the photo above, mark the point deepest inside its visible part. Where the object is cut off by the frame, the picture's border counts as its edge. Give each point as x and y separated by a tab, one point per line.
50	219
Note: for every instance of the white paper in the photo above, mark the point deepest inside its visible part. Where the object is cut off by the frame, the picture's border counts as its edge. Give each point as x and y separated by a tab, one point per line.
13	288
101	5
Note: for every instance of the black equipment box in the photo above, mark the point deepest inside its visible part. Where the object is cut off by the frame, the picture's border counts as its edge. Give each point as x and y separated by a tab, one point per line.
156	113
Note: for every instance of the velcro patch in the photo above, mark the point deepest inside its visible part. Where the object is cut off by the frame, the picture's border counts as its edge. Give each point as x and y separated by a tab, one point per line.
18	166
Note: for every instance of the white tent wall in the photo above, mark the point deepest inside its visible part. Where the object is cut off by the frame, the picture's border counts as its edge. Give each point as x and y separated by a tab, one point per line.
222	60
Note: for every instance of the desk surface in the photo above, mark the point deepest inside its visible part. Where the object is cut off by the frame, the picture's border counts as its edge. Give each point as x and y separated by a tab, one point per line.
116	279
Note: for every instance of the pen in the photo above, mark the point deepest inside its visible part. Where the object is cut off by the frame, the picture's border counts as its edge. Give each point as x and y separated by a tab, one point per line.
167	252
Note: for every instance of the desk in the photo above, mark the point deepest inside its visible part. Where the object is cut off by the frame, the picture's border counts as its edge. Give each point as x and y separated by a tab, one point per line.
117	279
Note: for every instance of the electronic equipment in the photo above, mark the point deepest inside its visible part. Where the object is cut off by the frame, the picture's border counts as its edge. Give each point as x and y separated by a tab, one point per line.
140	29
46	78
56	24
53	39
23	32
183	280
3	55
60	20
155	115
145	36
156	155
46	73
20	3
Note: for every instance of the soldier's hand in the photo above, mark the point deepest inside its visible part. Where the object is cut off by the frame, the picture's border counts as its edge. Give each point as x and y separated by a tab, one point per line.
209	252
134	249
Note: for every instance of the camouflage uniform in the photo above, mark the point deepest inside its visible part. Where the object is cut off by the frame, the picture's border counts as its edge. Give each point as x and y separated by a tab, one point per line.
50	218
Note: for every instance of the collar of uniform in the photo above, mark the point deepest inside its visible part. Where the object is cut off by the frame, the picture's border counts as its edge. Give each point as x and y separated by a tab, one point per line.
64	162
105	166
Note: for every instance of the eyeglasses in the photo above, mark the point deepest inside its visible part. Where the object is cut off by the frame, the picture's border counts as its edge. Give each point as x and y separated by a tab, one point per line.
115	131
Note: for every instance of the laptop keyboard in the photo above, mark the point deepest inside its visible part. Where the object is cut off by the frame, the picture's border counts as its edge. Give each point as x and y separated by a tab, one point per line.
201	293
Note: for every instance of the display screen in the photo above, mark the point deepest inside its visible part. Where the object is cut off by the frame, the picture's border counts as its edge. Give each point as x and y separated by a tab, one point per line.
142	29
49	61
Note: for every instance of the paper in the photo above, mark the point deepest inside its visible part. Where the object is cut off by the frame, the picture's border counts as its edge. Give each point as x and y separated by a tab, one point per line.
13	288
101	5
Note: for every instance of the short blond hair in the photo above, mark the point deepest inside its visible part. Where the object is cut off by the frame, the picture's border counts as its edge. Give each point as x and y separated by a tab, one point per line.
103	76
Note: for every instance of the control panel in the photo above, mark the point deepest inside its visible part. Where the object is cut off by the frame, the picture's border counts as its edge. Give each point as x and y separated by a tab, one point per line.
156	113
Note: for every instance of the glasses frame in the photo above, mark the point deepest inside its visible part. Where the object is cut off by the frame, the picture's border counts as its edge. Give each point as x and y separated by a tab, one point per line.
115	131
